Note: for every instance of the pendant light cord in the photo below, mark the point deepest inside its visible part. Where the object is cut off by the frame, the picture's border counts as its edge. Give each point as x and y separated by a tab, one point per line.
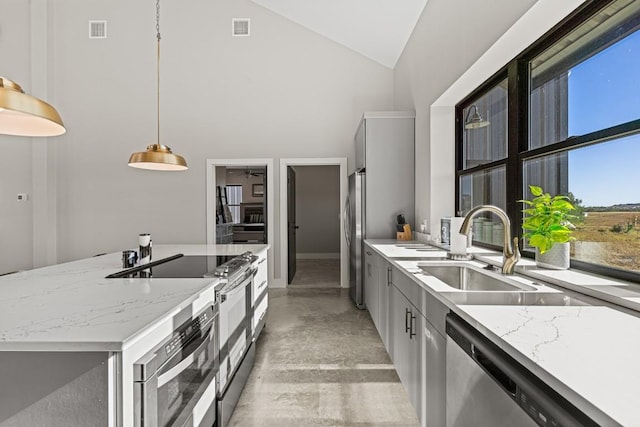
158	65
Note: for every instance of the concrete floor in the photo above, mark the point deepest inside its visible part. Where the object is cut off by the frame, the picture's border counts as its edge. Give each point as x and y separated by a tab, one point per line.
317	273
320	362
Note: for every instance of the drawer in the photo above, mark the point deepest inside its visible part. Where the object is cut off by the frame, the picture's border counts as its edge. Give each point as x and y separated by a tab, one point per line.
259	312
411	290
261	276
259	287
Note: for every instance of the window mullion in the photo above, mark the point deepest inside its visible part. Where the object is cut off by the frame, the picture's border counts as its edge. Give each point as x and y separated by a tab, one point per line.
517	138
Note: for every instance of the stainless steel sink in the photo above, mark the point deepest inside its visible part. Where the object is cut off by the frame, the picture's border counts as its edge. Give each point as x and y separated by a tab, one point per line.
515	298
420	247
468	278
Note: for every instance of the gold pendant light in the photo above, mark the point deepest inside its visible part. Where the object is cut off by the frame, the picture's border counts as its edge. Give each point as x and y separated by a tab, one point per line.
158	156
25	115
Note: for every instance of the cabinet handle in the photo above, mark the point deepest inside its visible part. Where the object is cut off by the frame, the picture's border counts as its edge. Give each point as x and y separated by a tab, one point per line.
369	253
261	261
407	313
411	324
262	284
388	276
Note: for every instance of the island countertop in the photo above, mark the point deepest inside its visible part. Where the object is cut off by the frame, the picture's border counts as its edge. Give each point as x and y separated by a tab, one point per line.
73	307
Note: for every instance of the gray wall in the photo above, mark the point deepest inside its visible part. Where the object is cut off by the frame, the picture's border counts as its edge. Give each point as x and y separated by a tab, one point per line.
247	185
449	37
54	389
318	210
284	92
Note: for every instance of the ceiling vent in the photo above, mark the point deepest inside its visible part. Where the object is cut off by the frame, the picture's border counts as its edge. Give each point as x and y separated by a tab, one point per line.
240	27
97	29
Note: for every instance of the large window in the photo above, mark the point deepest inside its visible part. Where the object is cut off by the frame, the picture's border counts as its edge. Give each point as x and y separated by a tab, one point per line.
570	123
234	198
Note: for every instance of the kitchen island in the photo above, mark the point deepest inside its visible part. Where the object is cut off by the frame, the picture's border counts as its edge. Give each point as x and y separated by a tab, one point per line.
579	346
69	336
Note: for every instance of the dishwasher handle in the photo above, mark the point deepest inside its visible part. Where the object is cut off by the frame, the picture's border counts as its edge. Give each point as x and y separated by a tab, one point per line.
494	371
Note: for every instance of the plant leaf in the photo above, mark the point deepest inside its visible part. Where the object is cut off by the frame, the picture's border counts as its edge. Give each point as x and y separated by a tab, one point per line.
535	190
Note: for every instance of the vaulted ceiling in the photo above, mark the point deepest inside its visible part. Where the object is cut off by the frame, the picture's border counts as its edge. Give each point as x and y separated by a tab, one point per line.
378	29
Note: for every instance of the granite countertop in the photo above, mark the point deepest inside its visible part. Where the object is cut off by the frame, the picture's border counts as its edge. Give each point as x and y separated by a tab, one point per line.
72	307
586	353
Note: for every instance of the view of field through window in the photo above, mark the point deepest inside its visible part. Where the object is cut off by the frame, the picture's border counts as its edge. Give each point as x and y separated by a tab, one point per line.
604	178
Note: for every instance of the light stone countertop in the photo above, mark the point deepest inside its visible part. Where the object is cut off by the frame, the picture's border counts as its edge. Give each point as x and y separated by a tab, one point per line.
72	307
586	353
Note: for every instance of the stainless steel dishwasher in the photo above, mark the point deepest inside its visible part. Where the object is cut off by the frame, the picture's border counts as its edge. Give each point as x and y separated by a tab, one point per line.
487	387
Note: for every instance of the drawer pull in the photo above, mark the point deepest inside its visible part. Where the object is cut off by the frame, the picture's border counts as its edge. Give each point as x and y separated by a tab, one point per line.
411	323
261	261
406	320
264	282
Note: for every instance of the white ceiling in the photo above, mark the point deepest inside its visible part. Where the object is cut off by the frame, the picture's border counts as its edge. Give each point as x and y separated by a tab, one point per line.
378	29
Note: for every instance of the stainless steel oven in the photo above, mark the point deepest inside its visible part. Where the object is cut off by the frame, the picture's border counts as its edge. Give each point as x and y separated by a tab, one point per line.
236	319
175	384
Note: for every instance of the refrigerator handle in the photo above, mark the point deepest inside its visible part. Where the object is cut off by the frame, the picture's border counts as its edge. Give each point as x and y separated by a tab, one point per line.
346	221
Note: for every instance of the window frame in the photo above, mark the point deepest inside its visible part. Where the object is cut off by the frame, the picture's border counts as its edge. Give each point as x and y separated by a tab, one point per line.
234	205
517	74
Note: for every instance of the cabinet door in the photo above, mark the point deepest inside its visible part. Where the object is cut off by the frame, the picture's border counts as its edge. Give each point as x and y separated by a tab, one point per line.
434	377
398	332
384	303
371	283
407	326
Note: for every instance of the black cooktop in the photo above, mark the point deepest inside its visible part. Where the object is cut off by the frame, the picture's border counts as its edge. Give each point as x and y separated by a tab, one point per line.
189	266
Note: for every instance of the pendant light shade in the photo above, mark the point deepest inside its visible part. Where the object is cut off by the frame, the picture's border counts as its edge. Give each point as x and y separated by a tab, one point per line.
475	120
158	157
25	115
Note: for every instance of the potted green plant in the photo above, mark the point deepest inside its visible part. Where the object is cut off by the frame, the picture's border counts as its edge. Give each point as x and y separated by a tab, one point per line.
547	227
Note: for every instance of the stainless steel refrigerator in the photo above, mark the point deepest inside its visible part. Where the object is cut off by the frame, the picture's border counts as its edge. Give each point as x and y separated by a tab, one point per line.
381	188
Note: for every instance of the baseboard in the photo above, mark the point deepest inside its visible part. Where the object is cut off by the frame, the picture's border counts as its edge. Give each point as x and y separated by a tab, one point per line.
324	255
277	283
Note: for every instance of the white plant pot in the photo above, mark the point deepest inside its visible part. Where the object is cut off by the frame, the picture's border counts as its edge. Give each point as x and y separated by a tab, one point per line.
556	258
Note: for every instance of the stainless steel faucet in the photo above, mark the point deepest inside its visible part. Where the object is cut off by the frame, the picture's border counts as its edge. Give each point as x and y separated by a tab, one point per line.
510	252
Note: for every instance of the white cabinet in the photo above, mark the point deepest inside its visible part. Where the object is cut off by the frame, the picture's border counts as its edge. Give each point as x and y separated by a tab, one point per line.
371	285
407	325
384	298
434	375
405	314
260	295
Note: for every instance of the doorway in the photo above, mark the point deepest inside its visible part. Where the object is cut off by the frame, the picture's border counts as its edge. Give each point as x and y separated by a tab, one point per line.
240	203
312	228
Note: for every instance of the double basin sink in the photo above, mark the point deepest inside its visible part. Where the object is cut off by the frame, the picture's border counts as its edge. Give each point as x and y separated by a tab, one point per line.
468	284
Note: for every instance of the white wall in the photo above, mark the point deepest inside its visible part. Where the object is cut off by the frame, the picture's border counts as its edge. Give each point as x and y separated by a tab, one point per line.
318	210
283	92
16	232
449	37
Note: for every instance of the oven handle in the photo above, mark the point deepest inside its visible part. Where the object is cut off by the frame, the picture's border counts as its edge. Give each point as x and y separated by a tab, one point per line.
176	366
225	294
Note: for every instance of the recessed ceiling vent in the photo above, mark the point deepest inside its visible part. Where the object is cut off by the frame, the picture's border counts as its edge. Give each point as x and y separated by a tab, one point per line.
97	29
240	27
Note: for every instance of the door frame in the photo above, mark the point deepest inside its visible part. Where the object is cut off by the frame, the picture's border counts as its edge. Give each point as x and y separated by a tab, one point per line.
331	161
211	201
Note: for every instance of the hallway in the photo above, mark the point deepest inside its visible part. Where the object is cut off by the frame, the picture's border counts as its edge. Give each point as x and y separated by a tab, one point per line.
317	273
320	362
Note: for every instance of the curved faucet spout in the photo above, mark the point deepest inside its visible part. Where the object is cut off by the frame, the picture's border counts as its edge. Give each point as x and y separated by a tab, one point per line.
511	252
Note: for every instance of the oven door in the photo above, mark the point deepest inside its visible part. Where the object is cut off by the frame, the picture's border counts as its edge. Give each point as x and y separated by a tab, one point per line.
181	392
